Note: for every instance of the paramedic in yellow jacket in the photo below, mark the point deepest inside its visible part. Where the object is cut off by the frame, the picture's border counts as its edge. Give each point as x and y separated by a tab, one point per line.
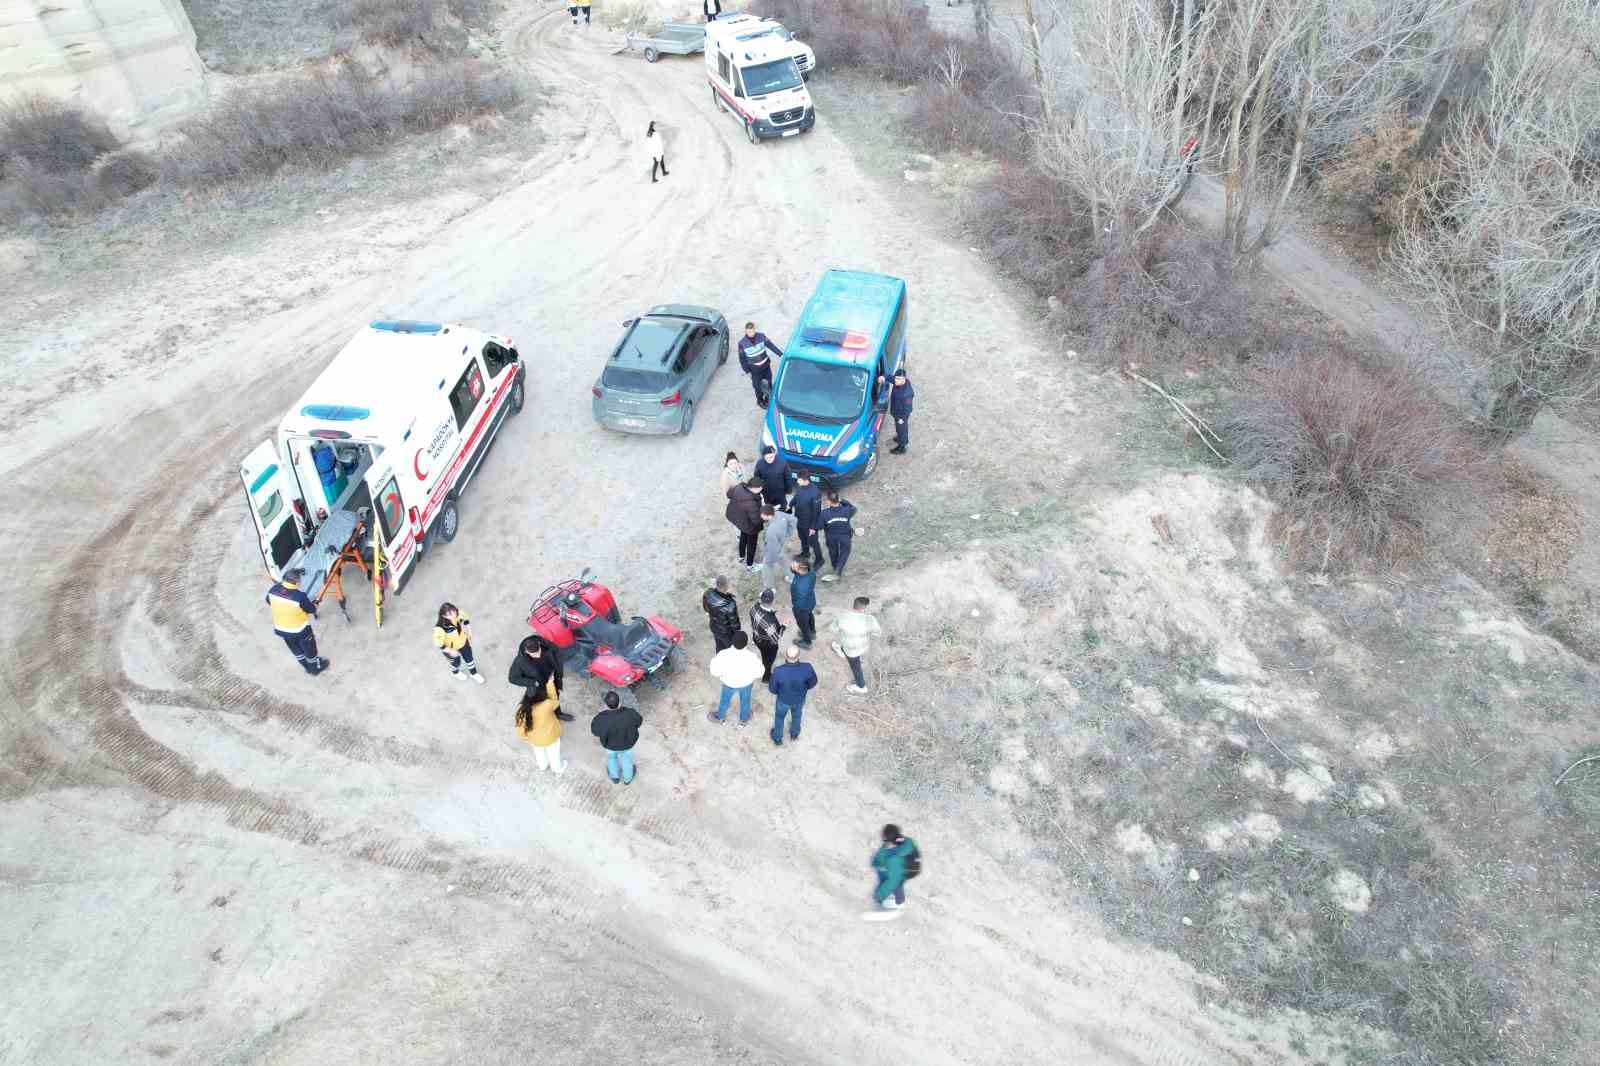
575	6
292	612
538	725
452	634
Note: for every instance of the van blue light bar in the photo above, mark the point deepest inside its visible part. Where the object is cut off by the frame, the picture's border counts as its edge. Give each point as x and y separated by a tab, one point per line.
334	412
402	325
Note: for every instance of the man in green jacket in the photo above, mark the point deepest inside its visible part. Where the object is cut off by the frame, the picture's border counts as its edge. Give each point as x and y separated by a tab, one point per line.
890	863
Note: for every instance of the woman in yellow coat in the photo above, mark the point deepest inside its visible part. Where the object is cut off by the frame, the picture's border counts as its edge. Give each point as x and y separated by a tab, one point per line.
538	725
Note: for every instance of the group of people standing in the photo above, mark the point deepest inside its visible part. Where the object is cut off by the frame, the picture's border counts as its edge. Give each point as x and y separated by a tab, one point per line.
764	514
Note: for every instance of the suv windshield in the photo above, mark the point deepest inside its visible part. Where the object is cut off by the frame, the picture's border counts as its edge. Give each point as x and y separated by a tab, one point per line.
822	392
764	78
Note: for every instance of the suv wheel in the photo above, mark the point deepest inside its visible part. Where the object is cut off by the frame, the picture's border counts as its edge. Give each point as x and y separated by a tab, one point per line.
722	353
688	418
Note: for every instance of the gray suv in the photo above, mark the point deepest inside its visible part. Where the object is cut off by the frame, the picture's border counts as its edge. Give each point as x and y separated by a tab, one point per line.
660	369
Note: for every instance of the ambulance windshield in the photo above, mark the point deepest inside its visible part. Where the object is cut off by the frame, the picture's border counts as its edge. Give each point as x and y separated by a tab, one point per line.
764	78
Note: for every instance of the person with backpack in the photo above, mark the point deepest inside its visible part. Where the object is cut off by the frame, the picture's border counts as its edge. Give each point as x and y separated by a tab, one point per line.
895	862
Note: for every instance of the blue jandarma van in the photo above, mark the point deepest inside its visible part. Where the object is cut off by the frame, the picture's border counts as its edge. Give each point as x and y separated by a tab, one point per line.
826	407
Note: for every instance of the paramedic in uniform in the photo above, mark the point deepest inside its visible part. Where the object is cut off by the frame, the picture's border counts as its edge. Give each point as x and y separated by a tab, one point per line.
292	612
756	353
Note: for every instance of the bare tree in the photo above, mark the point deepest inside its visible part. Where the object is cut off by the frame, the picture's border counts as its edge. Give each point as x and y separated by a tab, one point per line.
1304	77
1502	238
1124	87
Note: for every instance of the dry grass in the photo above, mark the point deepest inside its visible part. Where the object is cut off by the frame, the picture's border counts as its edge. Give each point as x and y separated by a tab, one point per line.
323	118
1358	459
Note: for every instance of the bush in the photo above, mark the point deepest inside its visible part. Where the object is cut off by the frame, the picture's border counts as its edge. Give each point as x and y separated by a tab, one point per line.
124	173
52	135
1357	458
322	119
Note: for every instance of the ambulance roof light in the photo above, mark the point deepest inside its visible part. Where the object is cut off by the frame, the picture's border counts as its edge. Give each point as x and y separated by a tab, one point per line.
405	325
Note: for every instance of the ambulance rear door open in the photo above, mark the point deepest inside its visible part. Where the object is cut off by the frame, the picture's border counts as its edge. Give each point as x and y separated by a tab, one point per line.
271	500
392	520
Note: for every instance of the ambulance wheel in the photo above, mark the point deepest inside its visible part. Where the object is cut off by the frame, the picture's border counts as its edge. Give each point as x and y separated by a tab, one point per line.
449	522
750	132
517	397
688	418
650	54
716	100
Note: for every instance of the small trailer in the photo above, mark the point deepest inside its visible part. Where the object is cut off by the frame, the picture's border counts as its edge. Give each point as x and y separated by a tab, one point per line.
674	38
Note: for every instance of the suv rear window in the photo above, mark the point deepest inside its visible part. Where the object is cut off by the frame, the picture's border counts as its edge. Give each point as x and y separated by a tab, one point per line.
626	379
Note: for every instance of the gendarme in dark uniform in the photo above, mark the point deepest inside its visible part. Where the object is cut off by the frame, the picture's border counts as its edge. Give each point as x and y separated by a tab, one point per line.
837	533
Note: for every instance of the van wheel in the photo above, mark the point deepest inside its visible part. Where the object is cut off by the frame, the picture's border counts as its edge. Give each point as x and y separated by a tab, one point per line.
750	132
650	54
688	418
872	462
517	397
449	522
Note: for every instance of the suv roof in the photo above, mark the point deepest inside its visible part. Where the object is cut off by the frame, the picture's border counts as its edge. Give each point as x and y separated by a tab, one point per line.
650	342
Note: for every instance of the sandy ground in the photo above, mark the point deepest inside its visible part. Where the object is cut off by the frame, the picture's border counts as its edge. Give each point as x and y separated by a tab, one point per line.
208	857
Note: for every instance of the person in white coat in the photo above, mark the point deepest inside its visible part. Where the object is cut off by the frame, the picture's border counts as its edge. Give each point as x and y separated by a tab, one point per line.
738	668
657	152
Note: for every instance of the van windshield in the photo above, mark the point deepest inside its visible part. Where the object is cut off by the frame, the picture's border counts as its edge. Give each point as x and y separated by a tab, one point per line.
764	78
822	392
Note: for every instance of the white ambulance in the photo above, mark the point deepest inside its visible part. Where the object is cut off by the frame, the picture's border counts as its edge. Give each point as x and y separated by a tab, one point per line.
399	422
754	77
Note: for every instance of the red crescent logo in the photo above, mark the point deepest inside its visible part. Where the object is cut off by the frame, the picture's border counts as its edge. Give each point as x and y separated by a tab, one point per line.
416	466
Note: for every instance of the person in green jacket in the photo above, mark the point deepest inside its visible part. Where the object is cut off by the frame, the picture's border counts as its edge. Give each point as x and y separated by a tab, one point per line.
890	863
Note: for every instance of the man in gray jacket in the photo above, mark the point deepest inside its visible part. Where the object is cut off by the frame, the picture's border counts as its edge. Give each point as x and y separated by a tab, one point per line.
779	524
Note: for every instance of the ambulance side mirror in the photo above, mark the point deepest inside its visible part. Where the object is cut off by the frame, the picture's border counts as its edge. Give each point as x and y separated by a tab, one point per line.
628	322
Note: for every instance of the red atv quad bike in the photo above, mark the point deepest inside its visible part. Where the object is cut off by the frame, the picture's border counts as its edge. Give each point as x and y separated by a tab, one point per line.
581	619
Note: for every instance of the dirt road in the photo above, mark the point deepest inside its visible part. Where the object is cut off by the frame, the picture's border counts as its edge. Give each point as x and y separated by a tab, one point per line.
209	857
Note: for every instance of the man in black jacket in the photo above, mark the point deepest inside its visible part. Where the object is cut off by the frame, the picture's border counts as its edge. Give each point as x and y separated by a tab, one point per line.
900	410
807	507
537	662
722	609
617	729
774	474
767	632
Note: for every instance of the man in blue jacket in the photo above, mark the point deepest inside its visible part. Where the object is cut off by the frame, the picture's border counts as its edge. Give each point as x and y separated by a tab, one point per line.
756	356
900	400
807	508
803	600
790	683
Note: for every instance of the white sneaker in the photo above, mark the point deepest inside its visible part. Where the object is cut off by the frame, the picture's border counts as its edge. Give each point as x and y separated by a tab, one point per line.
462	677
889	904
856	690
829	577
476	677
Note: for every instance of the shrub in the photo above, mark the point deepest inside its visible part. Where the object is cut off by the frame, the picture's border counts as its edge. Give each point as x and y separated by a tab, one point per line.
52	135
124	173
407	22
1357	458
324	118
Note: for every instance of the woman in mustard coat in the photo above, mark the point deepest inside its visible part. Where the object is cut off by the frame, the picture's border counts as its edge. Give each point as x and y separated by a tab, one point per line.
538	725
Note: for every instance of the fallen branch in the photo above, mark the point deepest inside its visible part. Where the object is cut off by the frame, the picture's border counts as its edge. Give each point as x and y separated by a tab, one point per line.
1201	428
1574	766
1274	744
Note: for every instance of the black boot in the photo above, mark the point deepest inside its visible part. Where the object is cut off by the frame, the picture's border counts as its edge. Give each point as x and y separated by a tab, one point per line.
565	717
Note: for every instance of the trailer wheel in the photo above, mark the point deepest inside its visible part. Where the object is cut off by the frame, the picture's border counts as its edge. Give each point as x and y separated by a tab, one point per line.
449	522
650	54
